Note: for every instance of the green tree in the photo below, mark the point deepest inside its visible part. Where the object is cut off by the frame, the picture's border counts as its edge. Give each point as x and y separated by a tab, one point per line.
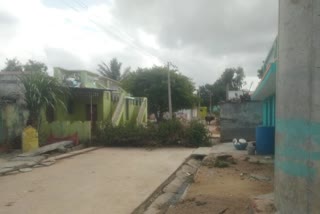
33	65
40	91
13	65
231	77
205	92
126	73
260	73
153	84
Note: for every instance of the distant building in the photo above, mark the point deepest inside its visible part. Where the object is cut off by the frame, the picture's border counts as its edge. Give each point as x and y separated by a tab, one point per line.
93	99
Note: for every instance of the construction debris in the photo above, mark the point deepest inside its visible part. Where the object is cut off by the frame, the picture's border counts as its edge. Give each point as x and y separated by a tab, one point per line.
59	147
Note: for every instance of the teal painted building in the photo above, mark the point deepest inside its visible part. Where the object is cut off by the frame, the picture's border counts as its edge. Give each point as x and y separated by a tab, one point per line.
266	93
266	90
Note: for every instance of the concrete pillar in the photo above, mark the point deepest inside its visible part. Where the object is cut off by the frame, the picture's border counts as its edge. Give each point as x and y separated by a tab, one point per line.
297	171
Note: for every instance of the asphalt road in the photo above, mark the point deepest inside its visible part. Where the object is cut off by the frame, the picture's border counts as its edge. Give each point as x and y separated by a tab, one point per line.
108	180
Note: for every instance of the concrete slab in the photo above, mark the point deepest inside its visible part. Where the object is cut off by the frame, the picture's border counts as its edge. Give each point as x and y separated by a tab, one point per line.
74	153
162	200
112	180
173	186
183	176
48	148
33	158
201	151
6	170
152	210
194	163
227	148
5	157
17	164
188	169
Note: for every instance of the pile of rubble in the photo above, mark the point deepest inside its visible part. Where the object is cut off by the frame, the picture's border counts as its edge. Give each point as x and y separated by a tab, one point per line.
27	161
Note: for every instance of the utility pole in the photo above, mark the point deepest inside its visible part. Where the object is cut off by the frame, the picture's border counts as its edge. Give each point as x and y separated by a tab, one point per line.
198	113
210	94
227	92
169	92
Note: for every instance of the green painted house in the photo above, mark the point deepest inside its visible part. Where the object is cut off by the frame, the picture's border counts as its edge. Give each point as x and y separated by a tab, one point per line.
93	99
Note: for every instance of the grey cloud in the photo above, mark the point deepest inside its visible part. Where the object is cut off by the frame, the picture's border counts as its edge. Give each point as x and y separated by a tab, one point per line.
207	30
215	25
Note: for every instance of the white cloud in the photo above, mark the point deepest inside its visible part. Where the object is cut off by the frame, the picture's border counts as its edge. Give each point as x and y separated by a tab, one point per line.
64	37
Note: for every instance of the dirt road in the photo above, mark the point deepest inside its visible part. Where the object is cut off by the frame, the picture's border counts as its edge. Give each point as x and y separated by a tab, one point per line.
225	190
109	180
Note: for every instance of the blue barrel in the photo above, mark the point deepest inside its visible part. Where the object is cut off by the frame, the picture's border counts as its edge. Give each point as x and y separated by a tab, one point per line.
265	140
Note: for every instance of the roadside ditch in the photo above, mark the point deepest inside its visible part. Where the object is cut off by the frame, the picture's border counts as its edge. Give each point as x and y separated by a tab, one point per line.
172	189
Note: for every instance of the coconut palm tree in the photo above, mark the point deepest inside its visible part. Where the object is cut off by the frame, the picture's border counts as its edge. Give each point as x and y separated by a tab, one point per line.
113	70
41	91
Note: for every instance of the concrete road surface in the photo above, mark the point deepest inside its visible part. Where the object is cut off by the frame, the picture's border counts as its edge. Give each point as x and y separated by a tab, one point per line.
108	180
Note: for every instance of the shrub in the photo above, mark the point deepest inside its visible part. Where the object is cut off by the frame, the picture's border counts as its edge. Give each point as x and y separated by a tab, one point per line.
122	135
170	132
197	134
166	133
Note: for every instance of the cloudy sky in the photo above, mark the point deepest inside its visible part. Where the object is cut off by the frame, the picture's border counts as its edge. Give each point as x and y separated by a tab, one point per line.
201	37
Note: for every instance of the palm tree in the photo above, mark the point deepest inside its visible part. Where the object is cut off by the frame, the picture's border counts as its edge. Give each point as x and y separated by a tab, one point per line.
41	91
113	70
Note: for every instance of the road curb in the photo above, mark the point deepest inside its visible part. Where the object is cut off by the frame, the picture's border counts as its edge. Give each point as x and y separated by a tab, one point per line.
74	153
147	205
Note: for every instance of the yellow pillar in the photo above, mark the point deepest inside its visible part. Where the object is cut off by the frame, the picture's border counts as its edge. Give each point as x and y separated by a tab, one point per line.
30	139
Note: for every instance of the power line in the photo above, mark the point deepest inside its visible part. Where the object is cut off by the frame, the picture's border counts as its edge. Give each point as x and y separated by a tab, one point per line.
118	34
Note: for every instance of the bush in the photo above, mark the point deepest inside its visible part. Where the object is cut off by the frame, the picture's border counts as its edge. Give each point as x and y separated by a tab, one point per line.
122	135
170	132
166	133
197	134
